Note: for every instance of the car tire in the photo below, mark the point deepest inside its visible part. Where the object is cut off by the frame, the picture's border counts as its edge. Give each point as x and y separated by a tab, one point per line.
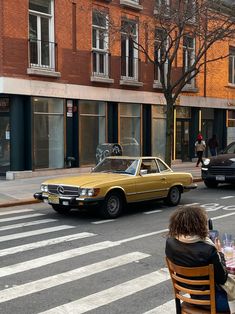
64	210
210	185
112	206
173	197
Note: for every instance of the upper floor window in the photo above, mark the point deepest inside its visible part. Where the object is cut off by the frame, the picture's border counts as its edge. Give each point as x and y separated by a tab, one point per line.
190	11
232	65
160	52
162	6
100	44
129	53
41	34
188	56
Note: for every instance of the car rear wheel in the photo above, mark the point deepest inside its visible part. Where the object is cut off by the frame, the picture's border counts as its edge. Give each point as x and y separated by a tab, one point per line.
210	184
64	210
173	197
112	206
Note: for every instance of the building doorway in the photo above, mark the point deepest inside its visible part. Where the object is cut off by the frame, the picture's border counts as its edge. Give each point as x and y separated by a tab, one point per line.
4	144
182	140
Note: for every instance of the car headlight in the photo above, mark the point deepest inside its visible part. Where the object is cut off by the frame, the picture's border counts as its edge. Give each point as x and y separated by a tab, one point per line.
44	187
89	192
206	161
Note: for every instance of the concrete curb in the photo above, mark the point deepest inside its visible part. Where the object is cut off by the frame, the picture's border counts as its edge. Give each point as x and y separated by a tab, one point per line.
33	201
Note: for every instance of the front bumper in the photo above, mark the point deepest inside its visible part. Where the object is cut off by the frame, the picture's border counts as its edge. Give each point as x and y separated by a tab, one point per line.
70	201
219	178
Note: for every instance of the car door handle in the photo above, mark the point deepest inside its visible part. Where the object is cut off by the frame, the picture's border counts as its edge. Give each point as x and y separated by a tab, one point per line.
163	179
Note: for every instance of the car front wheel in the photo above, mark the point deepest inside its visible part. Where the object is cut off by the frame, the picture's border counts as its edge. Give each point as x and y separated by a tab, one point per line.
112	206
210	184
64	210
173	197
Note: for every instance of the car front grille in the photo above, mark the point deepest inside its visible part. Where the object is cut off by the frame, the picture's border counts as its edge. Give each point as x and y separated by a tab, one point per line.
63	190
226	171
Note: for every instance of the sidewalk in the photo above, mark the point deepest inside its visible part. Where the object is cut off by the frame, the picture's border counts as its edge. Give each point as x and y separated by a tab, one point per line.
20	191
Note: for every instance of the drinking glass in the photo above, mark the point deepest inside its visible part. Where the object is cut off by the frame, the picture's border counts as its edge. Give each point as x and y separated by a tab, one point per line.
228	246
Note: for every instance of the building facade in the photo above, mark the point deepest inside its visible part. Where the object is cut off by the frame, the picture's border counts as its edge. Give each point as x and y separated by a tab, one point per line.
67	84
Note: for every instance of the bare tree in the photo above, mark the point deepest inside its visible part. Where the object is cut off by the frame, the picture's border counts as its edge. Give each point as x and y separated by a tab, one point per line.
186	30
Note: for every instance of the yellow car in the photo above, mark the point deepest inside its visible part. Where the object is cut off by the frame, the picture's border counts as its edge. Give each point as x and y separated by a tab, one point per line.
114	182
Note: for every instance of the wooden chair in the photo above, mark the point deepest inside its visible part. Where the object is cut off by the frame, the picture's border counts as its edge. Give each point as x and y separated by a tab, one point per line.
189	304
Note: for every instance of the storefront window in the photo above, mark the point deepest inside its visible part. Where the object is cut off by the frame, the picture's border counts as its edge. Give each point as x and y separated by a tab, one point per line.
4	135
130	122
159	131
48	129
92	129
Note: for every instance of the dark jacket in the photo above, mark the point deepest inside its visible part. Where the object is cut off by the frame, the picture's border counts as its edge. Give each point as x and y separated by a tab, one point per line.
195	255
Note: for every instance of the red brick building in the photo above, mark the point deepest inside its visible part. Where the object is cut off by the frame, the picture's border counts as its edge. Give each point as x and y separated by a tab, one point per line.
67	84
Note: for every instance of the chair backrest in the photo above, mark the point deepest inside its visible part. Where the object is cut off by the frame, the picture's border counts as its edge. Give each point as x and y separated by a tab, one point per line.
182	276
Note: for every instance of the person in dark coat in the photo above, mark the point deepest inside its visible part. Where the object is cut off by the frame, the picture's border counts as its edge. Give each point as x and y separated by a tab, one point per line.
189	245
213	145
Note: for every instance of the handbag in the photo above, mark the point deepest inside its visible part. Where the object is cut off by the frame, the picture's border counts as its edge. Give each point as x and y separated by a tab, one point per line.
229	287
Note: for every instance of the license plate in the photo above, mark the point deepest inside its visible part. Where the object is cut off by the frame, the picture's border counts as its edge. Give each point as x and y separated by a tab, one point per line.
220	178
53	199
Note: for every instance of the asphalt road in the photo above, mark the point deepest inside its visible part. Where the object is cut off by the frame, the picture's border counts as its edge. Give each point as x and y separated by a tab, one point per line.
82	264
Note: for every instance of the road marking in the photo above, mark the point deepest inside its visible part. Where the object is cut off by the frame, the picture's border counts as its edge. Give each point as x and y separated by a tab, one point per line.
153	211
53	258
112	294
26	224
166	308
222	216
2	213
102	221
142	236
69	276
192	204
20	217
226	197
20	235
39	244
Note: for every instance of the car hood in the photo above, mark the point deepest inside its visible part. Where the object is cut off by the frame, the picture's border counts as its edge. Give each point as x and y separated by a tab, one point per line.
89	180
223	160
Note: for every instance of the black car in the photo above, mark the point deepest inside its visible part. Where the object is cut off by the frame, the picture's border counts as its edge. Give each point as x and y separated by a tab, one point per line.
220	168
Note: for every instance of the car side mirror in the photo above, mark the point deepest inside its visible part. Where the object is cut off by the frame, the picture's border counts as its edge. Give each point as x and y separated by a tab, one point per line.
143	172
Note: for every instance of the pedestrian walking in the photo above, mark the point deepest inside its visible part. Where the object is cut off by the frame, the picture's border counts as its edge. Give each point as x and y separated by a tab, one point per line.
213	145
200	147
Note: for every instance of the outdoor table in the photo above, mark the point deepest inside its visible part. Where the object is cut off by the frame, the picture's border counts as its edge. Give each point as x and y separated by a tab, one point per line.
230	265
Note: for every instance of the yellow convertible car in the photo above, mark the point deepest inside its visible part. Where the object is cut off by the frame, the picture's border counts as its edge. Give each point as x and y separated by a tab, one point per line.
114	182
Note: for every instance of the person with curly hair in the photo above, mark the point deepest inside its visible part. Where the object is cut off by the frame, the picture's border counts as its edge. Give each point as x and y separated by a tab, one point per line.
188	244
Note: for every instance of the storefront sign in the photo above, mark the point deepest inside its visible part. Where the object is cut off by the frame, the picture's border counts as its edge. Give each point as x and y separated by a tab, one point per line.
4	104
69	108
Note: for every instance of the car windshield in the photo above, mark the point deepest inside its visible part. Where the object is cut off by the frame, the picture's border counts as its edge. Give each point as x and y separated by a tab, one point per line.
230	149
119	165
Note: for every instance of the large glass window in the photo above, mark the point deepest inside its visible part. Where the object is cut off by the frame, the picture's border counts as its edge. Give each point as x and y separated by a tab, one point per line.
130	130
129	55
41	34
160	52
92	129
48	131
100	44
4	135
188	56
159	131
232	65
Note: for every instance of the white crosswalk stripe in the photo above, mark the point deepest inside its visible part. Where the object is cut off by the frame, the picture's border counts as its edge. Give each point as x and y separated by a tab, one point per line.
15	211
27	224
115	293
20	217
45	283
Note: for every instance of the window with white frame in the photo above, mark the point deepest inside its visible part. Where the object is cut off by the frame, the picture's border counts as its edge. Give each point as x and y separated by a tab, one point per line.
188	56
190	10
41	34
129	53
162	6
160	53
232	65
100	55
